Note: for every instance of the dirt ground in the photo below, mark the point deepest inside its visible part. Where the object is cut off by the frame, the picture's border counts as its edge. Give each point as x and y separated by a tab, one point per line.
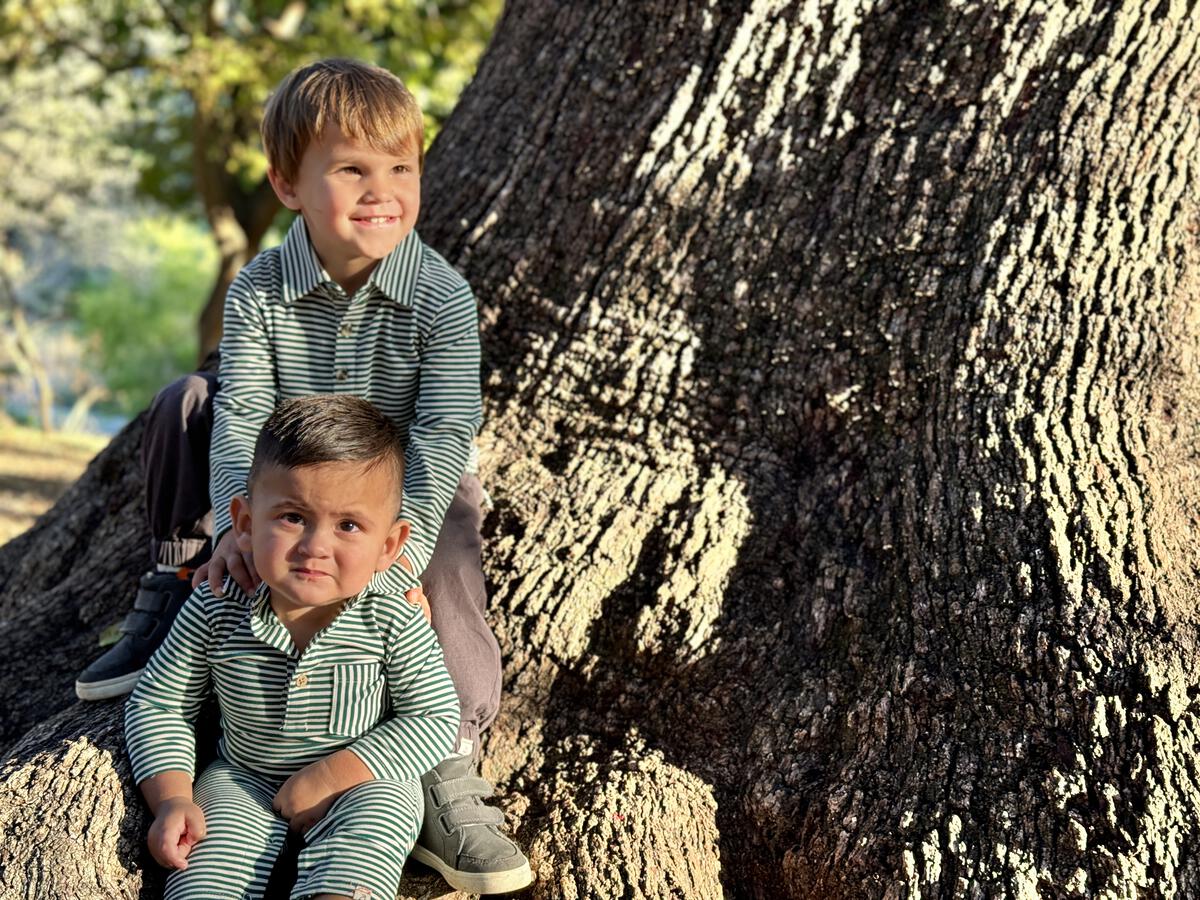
35	469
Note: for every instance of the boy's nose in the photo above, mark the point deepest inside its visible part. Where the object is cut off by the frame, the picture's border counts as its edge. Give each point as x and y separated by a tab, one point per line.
376	190
315	543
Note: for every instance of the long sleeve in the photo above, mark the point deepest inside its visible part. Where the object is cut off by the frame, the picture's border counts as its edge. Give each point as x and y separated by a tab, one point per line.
160	714
448	413
247	396
425	716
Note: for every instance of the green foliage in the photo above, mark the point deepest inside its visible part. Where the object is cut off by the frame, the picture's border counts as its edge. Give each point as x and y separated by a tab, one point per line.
196	74
139	313
58	163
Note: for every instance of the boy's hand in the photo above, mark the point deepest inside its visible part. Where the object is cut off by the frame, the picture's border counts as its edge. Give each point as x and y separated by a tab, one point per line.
228	559
305	797
416	596
178	826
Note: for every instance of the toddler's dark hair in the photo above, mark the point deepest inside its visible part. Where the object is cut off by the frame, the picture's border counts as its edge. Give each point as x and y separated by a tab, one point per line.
329	428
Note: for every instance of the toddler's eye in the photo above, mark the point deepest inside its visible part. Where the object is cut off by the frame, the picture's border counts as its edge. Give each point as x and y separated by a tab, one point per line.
348	527
350	170
292	518
401	169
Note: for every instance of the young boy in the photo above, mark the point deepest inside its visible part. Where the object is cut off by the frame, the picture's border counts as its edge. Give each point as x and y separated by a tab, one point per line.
352	302
334	698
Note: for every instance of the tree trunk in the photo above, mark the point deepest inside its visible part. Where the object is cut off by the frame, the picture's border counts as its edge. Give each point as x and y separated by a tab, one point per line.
238	216
841	380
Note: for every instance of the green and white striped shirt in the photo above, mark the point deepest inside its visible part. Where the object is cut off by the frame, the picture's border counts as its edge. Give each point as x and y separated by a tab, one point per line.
372	681
408	341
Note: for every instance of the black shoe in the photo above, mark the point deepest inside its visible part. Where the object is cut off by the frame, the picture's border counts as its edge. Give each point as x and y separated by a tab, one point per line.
159	598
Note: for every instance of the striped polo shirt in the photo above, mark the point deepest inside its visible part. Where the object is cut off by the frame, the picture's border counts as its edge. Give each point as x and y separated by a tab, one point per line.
373	681
408	341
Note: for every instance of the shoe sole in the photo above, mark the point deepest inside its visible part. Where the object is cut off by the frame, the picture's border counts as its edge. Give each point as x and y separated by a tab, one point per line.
109	688
475	882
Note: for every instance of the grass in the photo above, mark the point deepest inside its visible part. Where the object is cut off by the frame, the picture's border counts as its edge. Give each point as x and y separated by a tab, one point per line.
35	469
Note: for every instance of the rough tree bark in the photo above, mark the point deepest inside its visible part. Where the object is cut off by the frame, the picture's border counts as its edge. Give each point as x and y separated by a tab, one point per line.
842	423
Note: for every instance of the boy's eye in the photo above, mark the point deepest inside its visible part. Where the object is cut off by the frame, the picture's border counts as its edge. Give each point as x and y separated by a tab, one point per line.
292	518
402	169
348	526
351	170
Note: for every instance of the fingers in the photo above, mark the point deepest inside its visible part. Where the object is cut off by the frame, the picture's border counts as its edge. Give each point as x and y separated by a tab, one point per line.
197	828
237	571
199	575
168	853
216	575
171	839
416	596
252	571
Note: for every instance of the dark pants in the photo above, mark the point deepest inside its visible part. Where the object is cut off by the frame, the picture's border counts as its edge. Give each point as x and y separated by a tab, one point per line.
175	460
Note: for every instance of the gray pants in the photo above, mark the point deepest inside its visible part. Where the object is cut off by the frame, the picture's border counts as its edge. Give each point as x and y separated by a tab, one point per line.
175	460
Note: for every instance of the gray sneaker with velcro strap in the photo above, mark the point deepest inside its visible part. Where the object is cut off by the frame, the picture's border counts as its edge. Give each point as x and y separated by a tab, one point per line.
460	836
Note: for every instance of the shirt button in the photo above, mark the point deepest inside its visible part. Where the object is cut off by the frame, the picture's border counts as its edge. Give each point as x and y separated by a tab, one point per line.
346	331
342	374
301	680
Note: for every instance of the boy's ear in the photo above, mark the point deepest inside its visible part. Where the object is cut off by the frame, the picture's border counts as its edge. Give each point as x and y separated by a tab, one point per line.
239	512
395	539
284	189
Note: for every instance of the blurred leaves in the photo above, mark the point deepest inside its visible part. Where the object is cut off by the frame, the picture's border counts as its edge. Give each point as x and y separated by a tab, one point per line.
138	310
61	164
206	68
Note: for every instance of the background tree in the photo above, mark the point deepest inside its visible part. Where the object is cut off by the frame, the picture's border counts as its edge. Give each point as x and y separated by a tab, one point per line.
842	380
197	75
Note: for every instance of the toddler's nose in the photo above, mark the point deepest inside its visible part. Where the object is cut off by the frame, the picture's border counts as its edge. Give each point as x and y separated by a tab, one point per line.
314	543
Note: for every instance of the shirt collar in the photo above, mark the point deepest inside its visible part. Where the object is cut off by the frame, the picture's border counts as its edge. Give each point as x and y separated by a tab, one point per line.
266	626
395	277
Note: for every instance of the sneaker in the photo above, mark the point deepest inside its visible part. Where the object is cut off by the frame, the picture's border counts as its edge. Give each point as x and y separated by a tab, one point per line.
460	837
159	598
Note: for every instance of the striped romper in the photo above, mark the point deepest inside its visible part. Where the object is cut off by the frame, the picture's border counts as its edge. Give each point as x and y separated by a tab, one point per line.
372	681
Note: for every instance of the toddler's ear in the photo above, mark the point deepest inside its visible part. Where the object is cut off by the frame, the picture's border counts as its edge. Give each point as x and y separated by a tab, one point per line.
239	512
392	544
284	189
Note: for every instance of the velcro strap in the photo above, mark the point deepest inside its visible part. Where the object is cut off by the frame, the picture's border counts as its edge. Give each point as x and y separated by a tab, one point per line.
472	815
151	601
457	788
139	623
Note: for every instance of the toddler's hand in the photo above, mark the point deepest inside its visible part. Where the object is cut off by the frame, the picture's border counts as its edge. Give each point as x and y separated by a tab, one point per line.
178	826
228	559
305	797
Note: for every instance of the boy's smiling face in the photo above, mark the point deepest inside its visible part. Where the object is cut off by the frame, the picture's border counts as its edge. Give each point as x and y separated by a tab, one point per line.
358	202
318	533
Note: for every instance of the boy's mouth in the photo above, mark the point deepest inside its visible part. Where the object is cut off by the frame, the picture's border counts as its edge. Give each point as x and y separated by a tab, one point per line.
376	221
309	573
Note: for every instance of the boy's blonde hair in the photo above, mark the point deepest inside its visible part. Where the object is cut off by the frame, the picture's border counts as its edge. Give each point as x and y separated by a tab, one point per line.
366	102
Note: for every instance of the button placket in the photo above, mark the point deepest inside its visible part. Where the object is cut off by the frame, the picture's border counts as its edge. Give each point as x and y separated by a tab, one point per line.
292	719
345	345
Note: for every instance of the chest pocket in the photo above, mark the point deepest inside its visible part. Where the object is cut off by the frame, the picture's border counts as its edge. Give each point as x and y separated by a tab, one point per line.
358	698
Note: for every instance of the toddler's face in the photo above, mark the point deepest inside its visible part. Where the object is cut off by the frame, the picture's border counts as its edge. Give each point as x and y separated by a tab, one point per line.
358	202
319	533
